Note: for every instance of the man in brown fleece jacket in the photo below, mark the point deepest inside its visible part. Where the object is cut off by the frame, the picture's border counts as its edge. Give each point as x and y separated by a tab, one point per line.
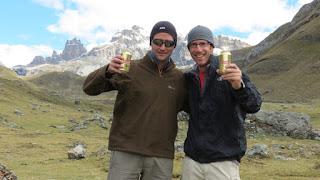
149	97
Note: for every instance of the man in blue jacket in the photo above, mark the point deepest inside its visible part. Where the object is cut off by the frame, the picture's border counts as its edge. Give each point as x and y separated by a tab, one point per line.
216	139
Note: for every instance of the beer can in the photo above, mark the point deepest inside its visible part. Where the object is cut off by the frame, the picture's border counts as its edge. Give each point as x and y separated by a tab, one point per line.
125	66
224	59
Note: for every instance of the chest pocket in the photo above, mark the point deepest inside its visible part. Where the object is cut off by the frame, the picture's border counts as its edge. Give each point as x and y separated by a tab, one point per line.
218	90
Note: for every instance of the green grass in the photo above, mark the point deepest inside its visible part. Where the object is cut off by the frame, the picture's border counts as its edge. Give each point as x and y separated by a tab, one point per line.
35	150
305	166
42	155
38	151
289	70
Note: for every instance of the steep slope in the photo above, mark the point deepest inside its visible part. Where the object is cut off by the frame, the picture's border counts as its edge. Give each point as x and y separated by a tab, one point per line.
289	70
6	73
15	88
20	101
68	85
61	83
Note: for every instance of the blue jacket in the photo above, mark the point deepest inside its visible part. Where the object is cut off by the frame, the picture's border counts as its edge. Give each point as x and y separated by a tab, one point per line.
216	127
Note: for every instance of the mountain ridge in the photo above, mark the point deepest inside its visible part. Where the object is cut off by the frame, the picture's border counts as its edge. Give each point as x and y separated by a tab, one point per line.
132	40
288	70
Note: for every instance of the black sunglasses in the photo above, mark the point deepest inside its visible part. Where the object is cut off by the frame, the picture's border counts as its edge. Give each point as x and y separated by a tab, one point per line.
166	43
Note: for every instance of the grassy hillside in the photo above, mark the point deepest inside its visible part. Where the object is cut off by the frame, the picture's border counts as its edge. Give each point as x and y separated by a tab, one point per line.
290	71
69	86
6	73
63	83
35	132
239	56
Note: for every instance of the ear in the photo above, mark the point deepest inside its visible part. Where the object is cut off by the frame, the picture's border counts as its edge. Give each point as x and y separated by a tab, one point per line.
211	49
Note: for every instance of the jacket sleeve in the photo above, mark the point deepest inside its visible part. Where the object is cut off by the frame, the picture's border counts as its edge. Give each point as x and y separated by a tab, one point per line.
248	97
98	81
185	106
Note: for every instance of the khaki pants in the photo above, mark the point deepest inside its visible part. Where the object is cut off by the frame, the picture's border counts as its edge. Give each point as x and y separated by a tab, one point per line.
224	170
129	166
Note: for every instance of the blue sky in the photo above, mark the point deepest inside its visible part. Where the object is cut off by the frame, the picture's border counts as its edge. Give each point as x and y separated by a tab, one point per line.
37	27
26	22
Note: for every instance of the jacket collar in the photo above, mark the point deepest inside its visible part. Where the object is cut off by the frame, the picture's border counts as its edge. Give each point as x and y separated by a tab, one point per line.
150	63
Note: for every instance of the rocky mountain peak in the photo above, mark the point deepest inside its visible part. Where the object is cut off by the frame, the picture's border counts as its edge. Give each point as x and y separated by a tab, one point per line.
310	10
73	49
232	44
130	37
38	60
134	39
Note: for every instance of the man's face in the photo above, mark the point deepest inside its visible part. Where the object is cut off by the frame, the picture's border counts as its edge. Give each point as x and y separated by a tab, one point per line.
200	51
162	45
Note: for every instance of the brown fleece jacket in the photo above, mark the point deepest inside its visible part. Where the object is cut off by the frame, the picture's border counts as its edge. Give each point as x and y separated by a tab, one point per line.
146	107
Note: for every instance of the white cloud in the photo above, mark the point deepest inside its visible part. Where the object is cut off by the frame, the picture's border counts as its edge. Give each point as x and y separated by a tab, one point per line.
11	55
302	2
55	4
95	21
98	20
255	37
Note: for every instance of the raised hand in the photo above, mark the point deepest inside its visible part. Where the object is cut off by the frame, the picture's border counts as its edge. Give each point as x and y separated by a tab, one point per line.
233	75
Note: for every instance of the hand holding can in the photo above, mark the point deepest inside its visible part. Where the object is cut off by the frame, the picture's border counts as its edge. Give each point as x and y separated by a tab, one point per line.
125	66
224	59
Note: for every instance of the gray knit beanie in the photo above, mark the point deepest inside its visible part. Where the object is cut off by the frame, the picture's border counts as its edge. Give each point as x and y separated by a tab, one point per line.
200	32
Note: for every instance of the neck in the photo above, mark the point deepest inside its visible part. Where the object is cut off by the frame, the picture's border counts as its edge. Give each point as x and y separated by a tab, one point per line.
202	68
161	64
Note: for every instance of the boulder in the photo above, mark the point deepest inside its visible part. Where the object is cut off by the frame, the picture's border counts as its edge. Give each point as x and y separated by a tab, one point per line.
6	174
77	152
295	125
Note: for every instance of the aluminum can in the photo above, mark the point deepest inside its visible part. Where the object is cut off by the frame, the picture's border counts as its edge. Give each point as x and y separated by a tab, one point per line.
224	59
125	66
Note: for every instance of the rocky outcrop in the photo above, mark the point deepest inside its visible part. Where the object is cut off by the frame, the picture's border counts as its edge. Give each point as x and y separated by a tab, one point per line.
95	119
132	40
258	150
37	60
292	124
6	174
20	70
295	125
77	152
73	49
231	44
54	59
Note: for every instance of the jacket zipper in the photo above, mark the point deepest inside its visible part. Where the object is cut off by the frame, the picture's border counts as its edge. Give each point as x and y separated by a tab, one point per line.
160	72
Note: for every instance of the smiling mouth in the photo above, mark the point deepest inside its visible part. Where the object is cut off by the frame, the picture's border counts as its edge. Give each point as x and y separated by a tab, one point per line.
162	54
199	56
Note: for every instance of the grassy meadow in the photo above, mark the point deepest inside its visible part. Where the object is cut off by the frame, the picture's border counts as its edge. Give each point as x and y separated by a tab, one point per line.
35	150
36	132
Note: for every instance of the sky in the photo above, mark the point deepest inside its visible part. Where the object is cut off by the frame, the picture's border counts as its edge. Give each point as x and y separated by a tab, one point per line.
37	27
